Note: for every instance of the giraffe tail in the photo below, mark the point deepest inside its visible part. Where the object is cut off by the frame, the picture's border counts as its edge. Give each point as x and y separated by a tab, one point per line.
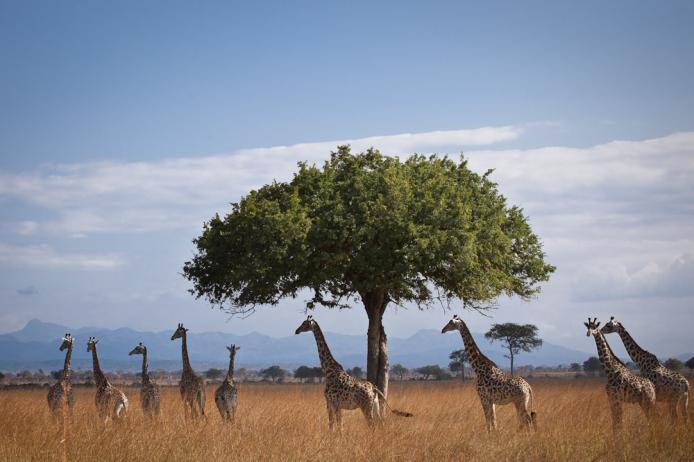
394	411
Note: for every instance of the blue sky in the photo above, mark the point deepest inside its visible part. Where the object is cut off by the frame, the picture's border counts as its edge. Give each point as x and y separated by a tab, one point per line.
124	126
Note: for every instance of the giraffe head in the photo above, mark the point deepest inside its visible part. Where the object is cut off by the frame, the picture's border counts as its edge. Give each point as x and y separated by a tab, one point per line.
180	332
91	344
306	326
592	326
138	350
67	342
453	324
232	350
611	326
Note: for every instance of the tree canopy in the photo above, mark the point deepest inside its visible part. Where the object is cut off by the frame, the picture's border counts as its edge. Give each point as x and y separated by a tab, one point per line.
515	337
592	366
458	359
674	364
373	228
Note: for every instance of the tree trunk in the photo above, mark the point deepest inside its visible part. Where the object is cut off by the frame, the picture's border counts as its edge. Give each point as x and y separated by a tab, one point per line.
511	355
377	343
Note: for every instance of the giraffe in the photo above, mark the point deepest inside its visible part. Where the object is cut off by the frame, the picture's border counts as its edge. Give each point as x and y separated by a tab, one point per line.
192	386
341	390
493	385
622	386
63	387
111	403
225	396
150	399
670	387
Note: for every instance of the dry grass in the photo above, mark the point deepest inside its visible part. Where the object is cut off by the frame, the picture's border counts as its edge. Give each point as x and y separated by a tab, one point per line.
289	422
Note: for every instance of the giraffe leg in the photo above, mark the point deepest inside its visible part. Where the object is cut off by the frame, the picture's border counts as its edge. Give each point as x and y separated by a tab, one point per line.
524	418
616	409
489	414
673	404
338	419
331	416
683	404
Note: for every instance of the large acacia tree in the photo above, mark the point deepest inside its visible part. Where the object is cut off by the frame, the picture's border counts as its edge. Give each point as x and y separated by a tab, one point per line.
370	229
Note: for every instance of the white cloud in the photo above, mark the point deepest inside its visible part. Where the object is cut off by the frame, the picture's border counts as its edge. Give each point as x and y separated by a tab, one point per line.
174	193
43	256
604	212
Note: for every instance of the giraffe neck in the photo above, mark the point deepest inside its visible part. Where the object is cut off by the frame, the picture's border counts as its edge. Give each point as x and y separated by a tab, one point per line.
327	362
66	365
607	358
187	370
230	372
477	360
99	376
643	358
145	372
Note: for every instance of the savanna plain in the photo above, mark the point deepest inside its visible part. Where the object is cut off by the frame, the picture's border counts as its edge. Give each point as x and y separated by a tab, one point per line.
289	422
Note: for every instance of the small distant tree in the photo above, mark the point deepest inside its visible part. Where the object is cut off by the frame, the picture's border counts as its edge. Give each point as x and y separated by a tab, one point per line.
356	371
432	370
304	372
274	373
515	337
318	373
690	364
592	366
458	359
2	376
213	373
242	374
399	370
25	375
575	367
57	375
674	364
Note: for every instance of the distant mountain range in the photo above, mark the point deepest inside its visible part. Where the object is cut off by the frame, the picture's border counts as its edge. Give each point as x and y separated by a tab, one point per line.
36	347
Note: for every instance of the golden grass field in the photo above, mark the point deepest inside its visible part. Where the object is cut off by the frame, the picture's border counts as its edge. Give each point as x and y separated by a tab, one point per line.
289	422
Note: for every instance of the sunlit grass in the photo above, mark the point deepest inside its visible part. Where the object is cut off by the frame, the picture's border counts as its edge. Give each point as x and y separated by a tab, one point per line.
289	422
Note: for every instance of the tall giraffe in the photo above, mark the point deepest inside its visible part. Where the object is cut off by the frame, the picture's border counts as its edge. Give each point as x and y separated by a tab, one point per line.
111	403
343	391
192	385
622	385
150	398
670	387
493	385
63	387
225	395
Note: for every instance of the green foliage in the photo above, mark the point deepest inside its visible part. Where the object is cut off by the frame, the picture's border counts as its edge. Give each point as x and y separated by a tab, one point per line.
213	373
274	373
356	371
575	367
458	359
592	366
690	363
674	364
433	370
421	230
515	337
303	372
399	370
